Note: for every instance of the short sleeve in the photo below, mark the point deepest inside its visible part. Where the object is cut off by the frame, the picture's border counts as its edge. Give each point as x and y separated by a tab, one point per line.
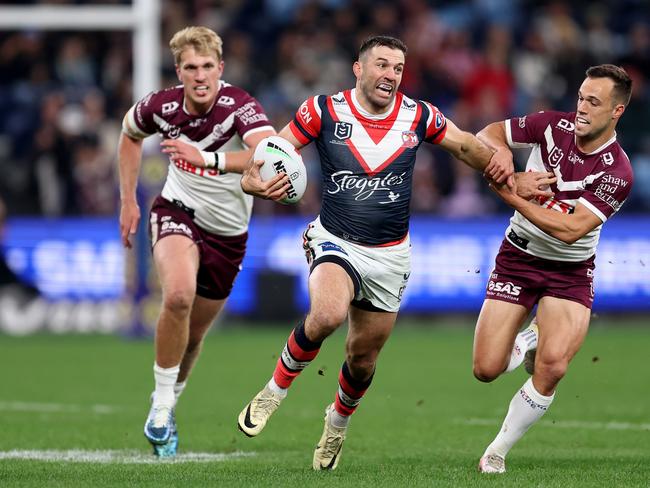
138	121
527	130
436	127
606	195
306	125
250	117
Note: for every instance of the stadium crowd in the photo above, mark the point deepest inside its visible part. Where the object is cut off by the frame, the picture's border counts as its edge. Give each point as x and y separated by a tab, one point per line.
62	94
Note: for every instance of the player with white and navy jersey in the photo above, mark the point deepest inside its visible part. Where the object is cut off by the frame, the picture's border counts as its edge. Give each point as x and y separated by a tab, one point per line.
199	223
358	248
547	256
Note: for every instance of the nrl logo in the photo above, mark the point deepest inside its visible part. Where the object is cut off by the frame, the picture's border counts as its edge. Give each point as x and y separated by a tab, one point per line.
343	130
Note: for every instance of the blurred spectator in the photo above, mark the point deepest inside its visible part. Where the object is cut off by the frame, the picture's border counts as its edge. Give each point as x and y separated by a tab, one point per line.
62	93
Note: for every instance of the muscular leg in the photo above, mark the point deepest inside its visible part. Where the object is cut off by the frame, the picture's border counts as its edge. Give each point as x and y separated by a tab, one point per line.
494	337
563	325
367	334
177	262
176	259
203	314
330	292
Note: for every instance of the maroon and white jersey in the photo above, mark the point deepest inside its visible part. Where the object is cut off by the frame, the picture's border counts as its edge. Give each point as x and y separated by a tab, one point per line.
220	206
600	180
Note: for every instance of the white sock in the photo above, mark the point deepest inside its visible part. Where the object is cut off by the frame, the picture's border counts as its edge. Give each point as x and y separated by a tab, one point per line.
526	408
178	389
165	380
274	387
524	342
338	420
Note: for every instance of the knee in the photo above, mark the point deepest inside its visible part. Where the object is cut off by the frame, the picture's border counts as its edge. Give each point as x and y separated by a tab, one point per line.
487	372
178	302
551	369
321	323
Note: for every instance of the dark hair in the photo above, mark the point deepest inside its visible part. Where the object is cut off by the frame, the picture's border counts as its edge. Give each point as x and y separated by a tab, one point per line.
622	81
388	41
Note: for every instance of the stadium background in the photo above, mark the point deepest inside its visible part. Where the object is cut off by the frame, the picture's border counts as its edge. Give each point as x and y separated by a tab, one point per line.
63	93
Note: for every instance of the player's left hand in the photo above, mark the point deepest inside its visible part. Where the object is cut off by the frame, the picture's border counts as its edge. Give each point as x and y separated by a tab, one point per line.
501	167
179	150
273	189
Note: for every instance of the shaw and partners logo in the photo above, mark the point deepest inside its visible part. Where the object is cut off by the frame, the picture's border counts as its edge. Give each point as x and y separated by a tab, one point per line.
363	188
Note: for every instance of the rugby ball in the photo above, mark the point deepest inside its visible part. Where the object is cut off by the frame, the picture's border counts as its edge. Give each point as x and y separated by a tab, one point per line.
280	156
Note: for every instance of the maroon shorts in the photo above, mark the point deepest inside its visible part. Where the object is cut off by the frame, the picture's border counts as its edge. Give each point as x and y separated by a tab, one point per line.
522	278
220	257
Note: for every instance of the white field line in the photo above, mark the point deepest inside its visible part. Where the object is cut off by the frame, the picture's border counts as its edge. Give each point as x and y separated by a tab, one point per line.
119	456
56	408
564	424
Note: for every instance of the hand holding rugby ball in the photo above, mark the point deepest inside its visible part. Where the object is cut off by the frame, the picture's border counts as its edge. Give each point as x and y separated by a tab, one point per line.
280	156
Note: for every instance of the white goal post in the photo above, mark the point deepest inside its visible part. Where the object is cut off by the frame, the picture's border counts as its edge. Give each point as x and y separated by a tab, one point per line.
142	18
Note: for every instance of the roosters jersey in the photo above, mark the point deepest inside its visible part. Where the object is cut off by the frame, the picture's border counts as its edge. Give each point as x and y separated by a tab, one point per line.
367	162
219	204
600	180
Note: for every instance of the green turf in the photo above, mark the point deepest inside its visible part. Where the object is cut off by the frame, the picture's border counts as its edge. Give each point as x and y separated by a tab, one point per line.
424	422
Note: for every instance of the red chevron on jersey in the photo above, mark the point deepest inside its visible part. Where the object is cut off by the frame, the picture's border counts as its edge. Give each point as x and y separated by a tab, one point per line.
375	138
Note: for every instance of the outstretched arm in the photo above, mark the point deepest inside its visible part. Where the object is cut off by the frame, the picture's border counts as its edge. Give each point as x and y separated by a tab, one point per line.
494	136
472	151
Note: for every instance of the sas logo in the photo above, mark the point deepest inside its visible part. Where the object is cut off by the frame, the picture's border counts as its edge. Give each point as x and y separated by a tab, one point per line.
343	130
507	288
409	138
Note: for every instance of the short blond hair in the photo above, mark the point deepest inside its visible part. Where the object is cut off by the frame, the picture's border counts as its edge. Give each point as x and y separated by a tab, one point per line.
204	41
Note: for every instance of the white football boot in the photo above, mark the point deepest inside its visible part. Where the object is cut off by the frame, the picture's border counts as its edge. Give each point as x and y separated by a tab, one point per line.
330	445
253	418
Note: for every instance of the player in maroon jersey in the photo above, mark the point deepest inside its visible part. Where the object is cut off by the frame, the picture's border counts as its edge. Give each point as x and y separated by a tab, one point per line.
199	222
547	256
358	248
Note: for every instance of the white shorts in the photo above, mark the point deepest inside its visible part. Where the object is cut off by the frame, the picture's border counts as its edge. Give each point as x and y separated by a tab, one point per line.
379	274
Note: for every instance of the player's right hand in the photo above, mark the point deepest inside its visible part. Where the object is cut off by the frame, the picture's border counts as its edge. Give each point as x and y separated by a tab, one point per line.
501	167
273	189
534	184
182	151
129	220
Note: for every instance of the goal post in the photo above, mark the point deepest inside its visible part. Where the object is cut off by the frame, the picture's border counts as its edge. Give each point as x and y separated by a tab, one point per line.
142	18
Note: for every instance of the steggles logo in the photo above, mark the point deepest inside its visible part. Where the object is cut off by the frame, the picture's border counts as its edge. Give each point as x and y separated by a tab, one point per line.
363	188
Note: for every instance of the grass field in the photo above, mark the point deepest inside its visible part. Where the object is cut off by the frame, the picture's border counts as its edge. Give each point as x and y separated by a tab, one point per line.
424	422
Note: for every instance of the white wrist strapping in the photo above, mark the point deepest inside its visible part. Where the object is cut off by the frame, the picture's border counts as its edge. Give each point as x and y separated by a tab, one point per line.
214	159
